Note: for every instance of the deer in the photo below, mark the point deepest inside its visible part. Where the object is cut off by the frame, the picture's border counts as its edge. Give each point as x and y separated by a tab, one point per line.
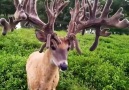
43	67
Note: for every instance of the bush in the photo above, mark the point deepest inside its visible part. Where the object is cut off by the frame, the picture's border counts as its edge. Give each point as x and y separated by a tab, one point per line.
120	31
106	68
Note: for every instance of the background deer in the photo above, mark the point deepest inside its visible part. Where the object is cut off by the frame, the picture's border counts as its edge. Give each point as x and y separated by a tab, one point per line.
43	68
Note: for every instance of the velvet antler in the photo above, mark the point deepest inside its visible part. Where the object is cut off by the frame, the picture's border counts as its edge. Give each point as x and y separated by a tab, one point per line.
5	25
27	11
87	14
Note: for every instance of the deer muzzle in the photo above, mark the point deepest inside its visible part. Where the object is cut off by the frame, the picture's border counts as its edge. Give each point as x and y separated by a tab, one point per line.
63	66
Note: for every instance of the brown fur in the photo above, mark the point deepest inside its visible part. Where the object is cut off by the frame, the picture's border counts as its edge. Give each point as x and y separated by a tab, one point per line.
42	74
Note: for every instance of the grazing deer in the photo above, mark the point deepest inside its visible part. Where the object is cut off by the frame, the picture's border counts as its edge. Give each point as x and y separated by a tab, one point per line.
43	68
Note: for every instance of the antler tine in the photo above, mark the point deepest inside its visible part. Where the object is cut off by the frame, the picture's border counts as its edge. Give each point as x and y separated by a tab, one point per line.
77	46
54	43
72	26
115	20
12	23
52	5
33	9
32	14
42	48
90	9
95	8
99	10
63	4
74	13
25	4
50	14
97	33
104	32
83	3
16	2
56	38
84	15
48	40
106	9
54	10
5	25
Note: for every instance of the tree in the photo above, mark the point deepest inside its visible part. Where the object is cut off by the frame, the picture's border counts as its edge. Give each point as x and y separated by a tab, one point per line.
6	7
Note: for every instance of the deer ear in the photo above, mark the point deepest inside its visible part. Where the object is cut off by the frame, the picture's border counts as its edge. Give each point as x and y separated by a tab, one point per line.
40	35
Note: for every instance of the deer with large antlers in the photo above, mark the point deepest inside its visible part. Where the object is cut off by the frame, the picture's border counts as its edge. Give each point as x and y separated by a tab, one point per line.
43	68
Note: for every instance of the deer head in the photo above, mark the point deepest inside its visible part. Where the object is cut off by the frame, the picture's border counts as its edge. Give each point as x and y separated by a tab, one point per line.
84	15
59	54
59	50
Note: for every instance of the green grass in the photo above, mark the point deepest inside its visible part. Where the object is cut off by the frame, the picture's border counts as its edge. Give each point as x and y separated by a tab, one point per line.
106	68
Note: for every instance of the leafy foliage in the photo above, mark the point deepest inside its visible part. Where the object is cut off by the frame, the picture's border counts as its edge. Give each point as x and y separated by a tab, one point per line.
6	7
106	68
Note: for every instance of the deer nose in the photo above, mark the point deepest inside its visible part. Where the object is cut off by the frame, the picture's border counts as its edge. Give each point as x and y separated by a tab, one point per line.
63	66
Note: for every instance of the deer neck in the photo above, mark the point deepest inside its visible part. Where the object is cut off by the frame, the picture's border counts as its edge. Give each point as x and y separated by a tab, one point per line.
49	69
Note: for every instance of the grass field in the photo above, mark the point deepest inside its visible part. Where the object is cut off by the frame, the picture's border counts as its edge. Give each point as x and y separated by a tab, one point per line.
106	68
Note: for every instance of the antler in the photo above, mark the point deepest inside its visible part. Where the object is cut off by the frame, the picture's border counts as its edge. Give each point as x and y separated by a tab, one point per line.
72	26
53	9
5	25
91	15
27	11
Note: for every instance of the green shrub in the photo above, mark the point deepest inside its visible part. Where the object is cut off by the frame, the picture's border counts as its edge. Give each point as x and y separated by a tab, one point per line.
106	68
120	31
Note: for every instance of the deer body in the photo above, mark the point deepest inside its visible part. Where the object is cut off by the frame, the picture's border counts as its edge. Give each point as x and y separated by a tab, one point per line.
42	74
